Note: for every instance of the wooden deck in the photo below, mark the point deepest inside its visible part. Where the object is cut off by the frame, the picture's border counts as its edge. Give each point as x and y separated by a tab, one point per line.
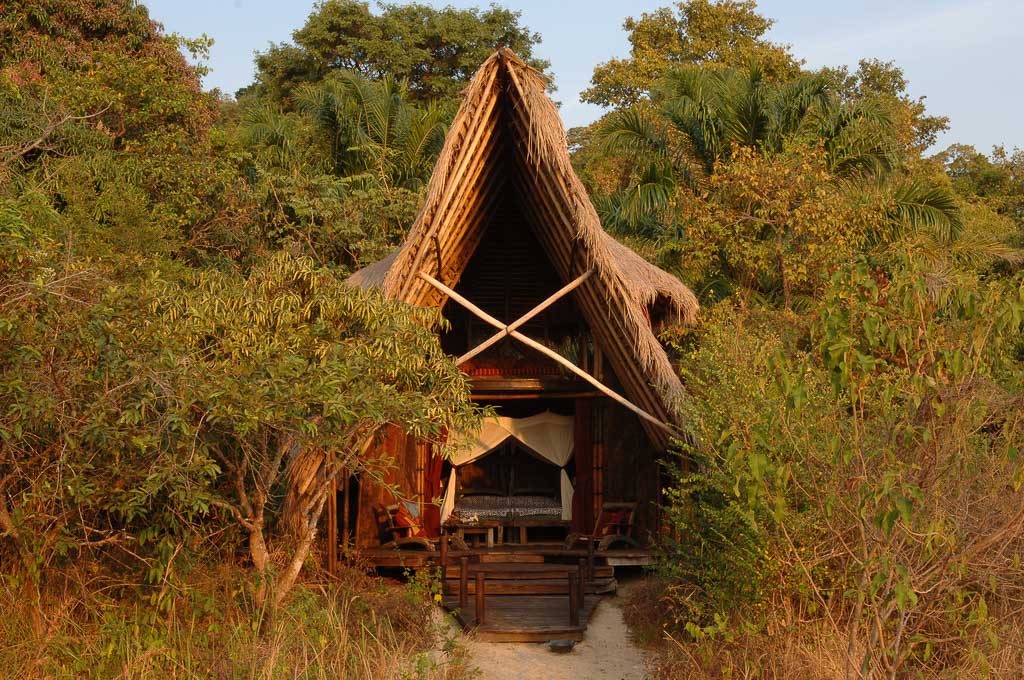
415	559
523	618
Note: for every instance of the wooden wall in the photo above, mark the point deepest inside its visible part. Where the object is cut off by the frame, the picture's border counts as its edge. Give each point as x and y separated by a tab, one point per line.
631	470
398	457
628	459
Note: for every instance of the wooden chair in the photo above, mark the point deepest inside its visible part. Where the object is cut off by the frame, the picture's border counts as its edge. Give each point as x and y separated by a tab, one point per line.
614	525
398	536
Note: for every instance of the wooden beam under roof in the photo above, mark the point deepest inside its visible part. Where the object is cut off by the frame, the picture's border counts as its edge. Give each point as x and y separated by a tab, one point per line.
505	384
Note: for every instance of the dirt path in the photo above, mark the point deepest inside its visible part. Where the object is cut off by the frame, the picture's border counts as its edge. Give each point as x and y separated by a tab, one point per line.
606	653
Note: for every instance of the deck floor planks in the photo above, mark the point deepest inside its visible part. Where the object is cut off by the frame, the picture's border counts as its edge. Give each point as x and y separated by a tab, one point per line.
389	557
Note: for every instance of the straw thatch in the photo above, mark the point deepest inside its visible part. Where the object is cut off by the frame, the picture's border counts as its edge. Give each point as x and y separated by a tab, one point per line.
506	136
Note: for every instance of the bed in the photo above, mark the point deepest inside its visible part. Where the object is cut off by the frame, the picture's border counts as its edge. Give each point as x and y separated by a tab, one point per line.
531	504
472	506
535	504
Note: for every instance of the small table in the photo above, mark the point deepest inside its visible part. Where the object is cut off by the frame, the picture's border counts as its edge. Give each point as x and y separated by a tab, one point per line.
485	528
525	523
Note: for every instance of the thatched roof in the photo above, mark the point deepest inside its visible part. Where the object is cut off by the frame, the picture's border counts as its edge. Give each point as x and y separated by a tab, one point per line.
508	136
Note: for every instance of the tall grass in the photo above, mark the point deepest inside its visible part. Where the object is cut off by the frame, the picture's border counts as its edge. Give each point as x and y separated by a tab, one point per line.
789	643
357	627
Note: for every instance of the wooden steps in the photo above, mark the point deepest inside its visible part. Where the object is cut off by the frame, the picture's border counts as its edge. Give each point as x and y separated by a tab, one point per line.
523	618
555	586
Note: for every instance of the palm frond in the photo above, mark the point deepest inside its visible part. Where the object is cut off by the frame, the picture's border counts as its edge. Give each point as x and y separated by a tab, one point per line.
918	206
633	131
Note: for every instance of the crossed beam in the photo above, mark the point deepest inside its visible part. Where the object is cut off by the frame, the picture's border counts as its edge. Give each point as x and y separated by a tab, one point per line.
509	330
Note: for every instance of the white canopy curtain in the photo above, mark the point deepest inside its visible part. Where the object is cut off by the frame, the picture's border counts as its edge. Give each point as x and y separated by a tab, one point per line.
547	434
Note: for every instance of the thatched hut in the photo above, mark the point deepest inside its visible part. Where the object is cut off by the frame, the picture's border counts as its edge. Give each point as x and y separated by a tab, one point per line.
551	317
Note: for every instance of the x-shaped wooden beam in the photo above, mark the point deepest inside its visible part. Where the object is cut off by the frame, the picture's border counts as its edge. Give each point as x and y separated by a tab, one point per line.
529	342
508	330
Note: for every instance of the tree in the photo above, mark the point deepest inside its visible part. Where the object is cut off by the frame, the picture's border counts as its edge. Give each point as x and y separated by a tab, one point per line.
882	83
435	50
698	32
291	363
746	176
996	180
376	136
159	368
860	471
342	174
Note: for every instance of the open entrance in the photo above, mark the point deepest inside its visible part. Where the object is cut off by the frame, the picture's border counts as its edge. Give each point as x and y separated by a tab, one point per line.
517	472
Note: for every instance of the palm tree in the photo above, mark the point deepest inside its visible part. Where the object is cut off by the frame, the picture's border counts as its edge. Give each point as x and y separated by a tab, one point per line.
699	115
278	140
374	135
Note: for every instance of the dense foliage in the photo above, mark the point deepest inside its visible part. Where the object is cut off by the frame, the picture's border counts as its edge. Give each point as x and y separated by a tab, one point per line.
176	338
168	349
856	384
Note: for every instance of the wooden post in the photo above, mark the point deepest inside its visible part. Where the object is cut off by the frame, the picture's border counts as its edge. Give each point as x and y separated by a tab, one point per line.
332	529
480	577
345	538
444	561
463	582
584	576
574	605
590	558
599	415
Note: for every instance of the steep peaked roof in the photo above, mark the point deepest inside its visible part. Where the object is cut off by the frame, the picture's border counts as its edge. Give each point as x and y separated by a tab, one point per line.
508	136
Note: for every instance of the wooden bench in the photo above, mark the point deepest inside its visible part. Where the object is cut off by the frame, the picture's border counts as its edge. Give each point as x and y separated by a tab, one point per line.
520	572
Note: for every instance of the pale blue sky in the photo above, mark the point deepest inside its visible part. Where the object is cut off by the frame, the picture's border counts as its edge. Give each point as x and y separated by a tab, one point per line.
965	56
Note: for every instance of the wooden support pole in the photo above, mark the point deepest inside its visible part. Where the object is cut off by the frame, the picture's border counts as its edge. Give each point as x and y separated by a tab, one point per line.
463	582
574	605
332	529
504	332
581	582
444	561
480	578
607	391
590	558
345	538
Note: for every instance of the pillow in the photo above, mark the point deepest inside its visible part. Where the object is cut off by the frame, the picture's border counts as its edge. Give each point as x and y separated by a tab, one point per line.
404	518
611	522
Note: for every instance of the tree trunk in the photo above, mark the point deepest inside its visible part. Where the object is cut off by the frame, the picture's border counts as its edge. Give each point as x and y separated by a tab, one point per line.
287	578
260	560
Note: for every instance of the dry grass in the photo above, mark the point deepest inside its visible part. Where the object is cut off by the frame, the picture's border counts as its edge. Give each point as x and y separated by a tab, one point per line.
359	627
790	646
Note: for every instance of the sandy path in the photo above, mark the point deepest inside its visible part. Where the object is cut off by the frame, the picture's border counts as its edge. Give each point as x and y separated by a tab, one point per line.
606	653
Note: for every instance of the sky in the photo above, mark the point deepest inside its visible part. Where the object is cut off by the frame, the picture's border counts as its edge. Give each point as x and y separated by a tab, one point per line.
964	56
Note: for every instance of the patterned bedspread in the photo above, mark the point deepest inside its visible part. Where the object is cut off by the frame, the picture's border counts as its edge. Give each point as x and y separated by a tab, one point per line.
507	507
483	507
536	507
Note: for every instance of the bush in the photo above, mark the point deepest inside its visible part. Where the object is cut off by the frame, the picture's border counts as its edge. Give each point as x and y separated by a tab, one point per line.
859	473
